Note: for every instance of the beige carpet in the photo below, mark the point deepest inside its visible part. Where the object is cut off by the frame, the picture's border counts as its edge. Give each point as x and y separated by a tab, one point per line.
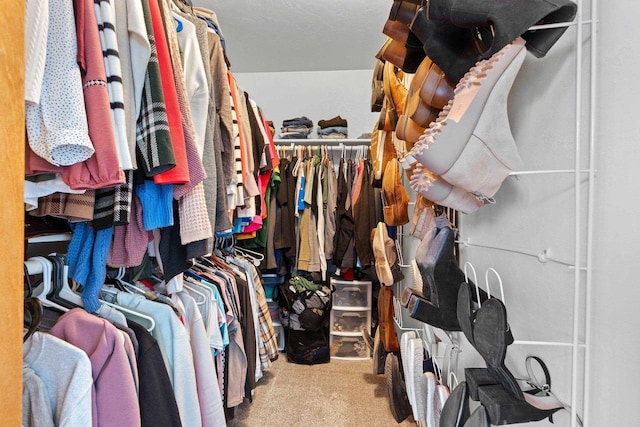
340	393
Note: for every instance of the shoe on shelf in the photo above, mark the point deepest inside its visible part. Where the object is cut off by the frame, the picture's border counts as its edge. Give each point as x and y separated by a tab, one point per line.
441	278
439	191
405	56
466	310
478	418
454	49
379	354
406	366
368	339
398	402
508	20
403	11
396	30
470	145
456	408
419	381
505	402
431	412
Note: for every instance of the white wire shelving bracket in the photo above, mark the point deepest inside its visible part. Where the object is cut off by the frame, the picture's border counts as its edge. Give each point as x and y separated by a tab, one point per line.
543	255
548	172
578	265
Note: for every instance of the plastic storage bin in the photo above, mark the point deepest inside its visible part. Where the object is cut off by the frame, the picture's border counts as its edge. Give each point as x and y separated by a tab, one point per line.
350	320
348	347
351	294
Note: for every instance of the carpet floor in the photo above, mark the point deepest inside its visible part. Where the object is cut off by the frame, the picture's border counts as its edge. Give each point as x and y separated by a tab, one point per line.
340	393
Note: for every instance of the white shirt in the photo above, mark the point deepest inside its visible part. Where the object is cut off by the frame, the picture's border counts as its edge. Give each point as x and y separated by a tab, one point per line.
206	377
195	78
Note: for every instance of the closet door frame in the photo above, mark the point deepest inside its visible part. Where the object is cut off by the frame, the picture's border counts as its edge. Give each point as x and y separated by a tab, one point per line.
12	133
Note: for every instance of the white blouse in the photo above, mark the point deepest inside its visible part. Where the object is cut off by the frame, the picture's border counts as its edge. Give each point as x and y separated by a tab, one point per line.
57	124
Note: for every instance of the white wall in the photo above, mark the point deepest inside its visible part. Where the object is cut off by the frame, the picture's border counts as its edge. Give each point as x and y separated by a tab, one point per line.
315	94
616	337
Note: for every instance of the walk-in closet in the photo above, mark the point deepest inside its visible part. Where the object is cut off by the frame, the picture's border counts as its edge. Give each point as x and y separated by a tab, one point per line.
330	213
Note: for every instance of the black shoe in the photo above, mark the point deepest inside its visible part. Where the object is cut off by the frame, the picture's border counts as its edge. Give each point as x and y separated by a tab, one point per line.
398	401
441	279
454	49
456	408
466	309
379	355
366	336
479	418
505	403
509	20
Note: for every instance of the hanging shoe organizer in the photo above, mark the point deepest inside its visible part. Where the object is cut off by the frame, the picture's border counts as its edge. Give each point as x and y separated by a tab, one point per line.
538	237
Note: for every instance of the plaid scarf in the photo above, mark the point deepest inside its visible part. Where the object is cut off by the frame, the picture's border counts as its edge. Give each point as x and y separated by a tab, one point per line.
113	205
72	207
153	139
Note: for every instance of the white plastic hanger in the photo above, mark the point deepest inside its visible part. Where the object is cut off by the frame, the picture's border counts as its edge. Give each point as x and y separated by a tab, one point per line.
150	321
41	291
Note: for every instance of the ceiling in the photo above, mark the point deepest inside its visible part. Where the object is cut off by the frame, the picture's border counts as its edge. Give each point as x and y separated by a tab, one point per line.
301	35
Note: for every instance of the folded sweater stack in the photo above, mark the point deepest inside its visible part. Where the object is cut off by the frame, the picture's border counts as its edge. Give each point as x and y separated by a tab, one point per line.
297	128
335	128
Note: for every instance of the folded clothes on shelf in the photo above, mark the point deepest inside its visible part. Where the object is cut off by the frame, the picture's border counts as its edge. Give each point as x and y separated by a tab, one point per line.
298	121
333	135
336	121
298	129
332	129
294	135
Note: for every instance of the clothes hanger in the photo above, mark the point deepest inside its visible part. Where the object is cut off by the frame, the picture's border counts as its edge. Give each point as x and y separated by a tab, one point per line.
254	256
151	323
61	293
193	289
131	288
40	292
28	287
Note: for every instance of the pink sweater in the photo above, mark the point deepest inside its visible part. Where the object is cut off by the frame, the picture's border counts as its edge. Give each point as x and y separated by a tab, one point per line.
115	401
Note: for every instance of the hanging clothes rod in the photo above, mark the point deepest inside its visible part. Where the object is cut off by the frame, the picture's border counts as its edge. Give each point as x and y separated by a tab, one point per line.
318	141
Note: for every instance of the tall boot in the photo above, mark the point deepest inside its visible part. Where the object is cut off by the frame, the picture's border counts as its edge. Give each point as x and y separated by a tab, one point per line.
509	20
454	49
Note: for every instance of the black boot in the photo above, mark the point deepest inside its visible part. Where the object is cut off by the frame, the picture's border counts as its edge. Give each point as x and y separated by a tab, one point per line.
454	49
509	20
441	279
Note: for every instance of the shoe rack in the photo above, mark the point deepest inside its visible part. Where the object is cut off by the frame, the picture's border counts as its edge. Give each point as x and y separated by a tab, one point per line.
537	240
